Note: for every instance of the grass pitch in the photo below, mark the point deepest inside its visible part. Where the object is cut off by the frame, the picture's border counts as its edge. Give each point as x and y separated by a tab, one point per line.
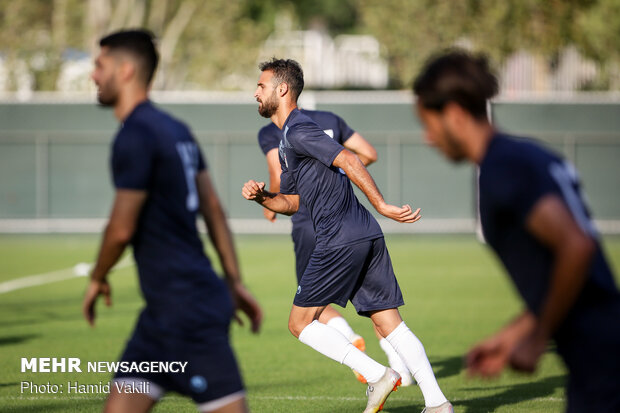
455	294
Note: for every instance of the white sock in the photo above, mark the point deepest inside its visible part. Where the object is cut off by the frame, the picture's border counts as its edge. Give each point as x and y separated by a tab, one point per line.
331	343
411	351
340	324
395	361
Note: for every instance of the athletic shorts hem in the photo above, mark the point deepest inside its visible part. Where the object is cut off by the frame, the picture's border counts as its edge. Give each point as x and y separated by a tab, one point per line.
365	311
342	304
212	405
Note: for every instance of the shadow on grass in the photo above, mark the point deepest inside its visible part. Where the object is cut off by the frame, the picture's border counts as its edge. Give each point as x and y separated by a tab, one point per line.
506	395
5	341
447	367
30	314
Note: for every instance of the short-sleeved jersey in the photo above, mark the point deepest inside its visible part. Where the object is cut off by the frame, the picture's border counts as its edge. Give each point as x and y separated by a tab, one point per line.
514	175
306	157
156	153
333	125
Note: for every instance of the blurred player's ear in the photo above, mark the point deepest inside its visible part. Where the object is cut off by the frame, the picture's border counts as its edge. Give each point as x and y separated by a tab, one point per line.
127	70
455	115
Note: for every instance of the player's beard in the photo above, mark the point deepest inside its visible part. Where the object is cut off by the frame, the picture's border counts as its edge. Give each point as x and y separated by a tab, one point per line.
107	95
268	106
452	147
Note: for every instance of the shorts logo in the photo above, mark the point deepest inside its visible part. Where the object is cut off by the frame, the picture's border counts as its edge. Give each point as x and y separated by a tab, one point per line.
198	384
298	289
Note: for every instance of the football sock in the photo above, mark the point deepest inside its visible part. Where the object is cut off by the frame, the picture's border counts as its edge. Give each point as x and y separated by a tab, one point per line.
411	351
340	324
393	358
331	343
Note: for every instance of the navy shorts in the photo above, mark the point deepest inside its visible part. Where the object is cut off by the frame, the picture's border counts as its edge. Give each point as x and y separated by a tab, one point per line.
211	372
589	347
304	242
361	273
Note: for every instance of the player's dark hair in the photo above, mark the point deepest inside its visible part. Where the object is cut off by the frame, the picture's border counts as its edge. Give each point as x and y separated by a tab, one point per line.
140	44
456	76
286	71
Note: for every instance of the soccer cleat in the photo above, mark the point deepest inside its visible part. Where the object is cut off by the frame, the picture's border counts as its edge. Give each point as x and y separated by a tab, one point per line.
359	377
405	376
358	341
445	407
397	364
378	392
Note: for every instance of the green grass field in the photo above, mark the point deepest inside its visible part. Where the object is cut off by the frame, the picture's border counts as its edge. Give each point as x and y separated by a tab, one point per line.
455	295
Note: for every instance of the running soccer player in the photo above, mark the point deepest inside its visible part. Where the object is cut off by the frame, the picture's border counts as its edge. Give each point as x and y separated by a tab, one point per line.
161	184
303	230
534	217
350	260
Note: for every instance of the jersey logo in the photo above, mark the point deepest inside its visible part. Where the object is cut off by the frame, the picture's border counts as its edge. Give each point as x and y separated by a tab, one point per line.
198	384
329	132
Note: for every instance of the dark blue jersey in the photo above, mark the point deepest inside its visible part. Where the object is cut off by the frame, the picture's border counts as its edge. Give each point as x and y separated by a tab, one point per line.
306	157
514	175
333	125
156	153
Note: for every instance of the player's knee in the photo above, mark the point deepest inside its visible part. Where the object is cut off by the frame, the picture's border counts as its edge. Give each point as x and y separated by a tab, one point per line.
297	324
294	327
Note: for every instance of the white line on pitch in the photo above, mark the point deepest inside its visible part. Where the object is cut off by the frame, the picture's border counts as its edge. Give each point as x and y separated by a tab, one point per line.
79	270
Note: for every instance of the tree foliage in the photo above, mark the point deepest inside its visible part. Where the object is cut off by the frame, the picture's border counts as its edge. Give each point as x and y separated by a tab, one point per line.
200	41
215	43
412	30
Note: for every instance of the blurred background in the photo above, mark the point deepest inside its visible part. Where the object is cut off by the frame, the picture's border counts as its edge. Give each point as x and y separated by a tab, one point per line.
538	46
558	63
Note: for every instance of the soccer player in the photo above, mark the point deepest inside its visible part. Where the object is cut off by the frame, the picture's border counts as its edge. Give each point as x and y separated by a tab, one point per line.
350	260
534	217
303	230
161	184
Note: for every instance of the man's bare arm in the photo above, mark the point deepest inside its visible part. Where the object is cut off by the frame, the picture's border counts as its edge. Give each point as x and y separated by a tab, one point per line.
276	202
217	226
362	148
551	223
273	166
118	233
221	237
358	174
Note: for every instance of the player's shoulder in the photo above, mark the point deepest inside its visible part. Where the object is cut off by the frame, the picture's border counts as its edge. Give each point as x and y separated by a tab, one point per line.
150	121
269	137
506	151
269	132
514	162
299	126
298	120
147	115
320	116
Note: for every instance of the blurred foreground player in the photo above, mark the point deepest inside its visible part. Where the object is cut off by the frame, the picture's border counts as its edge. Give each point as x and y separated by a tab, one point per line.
303	234
350	260
161	184
534	217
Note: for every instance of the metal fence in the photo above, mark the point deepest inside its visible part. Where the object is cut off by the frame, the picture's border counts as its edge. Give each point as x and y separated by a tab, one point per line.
54	173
